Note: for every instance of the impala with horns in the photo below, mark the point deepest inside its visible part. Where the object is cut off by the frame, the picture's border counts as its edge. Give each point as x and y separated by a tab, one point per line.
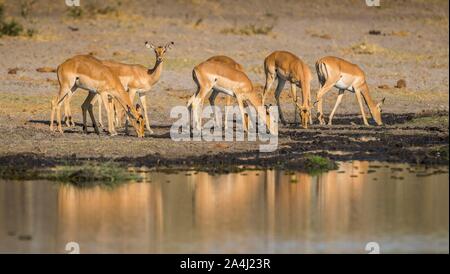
336	72
88	73
213	75
285	66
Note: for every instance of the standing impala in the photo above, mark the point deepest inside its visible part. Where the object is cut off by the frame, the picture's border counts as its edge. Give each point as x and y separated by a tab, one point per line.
137	78
88	73
285	66
336	72
212	98
224	78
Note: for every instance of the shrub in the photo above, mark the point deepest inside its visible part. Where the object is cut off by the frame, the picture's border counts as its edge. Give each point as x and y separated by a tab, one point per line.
11	28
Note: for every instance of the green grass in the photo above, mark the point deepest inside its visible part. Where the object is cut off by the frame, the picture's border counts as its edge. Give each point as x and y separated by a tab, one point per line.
106	174
87	174
316	164
441	152
11	28
75	12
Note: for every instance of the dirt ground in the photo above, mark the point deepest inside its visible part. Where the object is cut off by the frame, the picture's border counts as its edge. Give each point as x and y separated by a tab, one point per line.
412	44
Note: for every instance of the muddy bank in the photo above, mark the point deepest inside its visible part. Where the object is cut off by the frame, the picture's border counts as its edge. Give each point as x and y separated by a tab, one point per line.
420	138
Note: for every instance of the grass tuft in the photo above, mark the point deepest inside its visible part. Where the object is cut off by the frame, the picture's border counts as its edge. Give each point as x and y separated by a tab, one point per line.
367	48
248	30
11	28
87	174
316	164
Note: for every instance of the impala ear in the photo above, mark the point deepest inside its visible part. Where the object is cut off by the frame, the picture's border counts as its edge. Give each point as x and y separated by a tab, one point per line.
149	45
169	45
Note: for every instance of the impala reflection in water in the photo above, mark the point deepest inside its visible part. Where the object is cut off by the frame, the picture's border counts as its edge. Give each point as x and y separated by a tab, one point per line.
401	208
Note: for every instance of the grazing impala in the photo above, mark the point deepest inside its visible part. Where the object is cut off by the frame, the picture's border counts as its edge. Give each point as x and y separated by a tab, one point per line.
336	72
137	78
285	66
226	79
88	73
212	98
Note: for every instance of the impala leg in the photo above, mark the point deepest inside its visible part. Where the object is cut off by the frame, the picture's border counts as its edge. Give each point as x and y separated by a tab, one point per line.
338	101
197	105
294	97
361	107
143	99
242	110
270	78
100	116
56	107
200	111
58	117
118	113
280	87
212	100
87	107
107	102
52	114
227	109
323	90
189	107
132	94
67	111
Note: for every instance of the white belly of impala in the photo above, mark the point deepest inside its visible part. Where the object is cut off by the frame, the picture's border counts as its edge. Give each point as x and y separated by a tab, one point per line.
224	90
341	85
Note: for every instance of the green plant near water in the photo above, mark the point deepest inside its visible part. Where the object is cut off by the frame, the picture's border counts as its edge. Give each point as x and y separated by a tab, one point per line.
86	174
316	164
106	174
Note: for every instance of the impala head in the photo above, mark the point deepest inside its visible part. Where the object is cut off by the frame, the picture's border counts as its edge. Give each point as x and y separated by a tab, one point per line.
271	127
160	51
305	112
137	120
376	112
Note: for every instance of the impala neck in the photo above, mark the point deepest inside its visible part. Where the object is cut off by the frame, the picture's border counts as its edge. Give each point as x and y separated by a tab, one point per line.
369	101
155	72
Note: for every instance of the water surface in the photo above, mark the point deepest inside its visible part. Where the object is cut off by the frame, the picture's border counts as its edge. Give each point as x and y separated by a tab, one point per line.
404	209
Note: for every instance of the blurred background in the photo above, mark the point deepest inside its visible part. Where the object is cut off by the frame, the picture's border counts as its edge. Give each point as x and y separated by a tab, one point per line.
398	39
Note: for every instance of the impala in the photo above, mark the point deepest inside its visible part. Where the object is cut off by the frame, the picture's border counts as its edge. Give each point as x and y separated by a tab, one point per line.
230	81
339	73
136	79
212	98
285	66
88	73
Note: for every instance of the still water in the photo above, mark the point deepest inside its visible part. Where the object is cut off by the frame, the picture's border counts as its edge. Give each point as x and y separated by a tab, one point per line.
404	209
